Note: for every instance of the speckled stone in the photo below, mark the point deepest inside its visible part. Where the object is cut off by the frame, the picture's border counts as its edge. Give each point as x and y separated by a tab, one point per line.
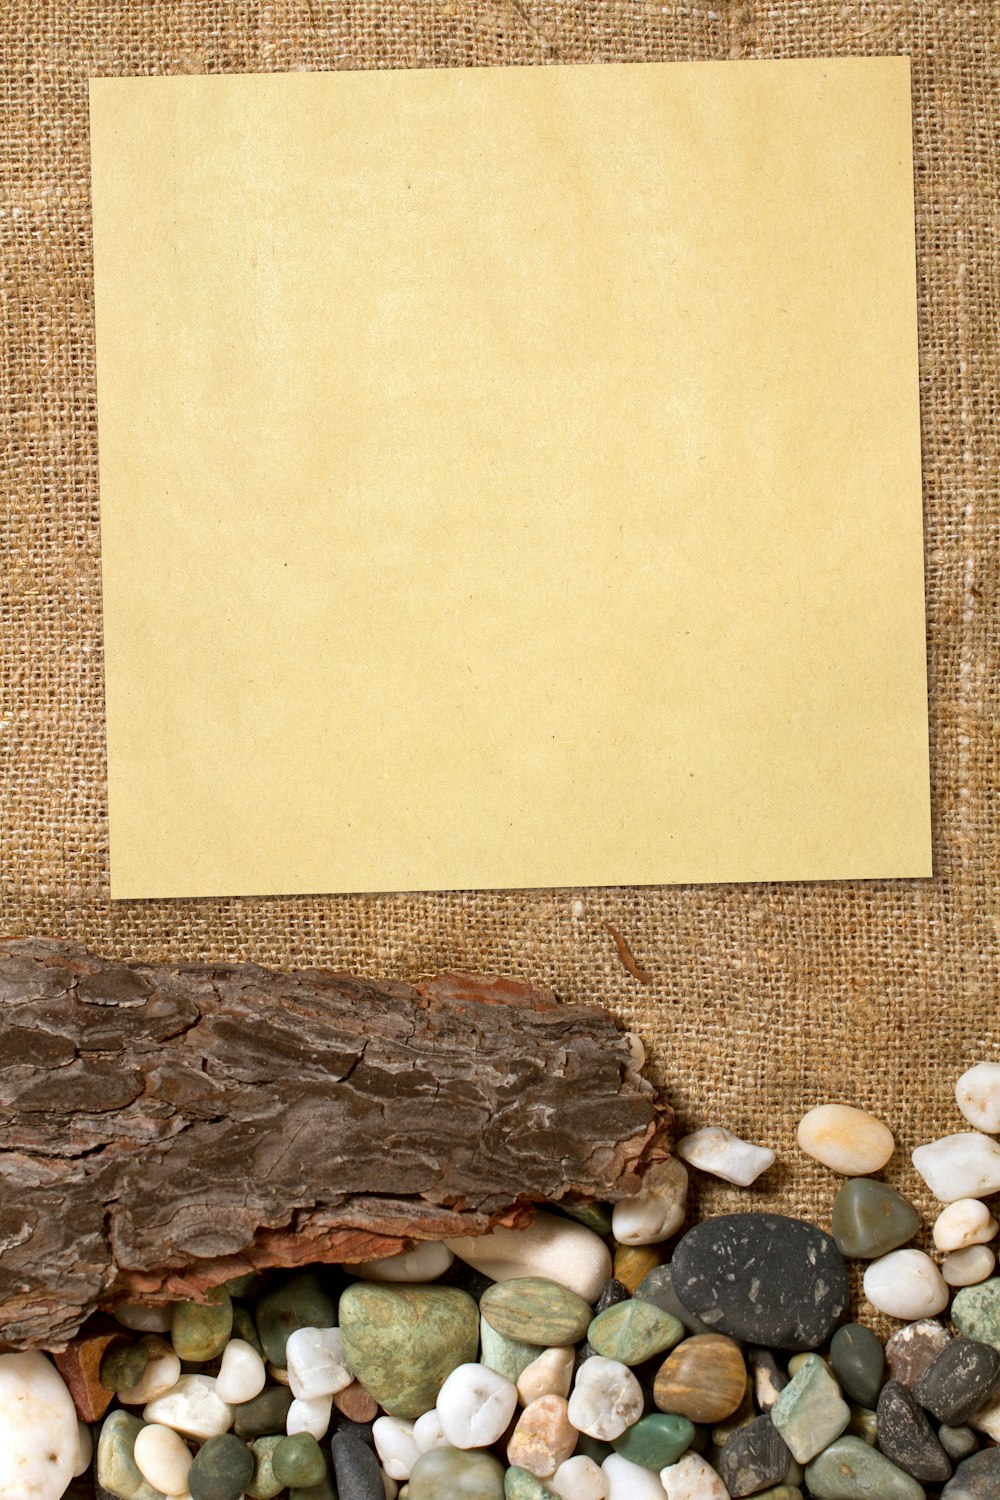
355	1468
858	1361
221	1470
264	1485
906	1437
753	1457
871	1218
634	1331
457	1474
850	1470
301	1302
965	1375
656	1441
757	1276
520	1484
911	1349
704	1379
976	1312
976	1478
403	1341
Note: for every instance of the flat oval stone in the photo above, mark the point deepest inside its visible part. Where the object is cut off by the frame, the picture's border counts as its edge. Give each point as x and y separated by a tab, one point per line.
426	1262
911	1349
200	1330
264	1414
221	1469
163	1458
858	1361
301	1302
536	1310
264	1485
762	1277
704	1379
965	1375
810	1412
117	1470
402	1342
355	1469
850	1470
753	1457
459	1474
976	1312
870	1219
656	1441
845	1139
957	1442
905	1436
634	1332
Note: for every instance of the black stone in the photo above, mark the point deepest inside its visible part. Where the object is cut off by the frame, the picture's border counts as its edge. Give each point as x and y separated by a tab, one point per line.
905	1436
265	1414
957	1442
976	1478
360	1430
221	1470
858	1361
355	1469
753	1458
962	1379
614	1292
762	1277
657	1287
763	1360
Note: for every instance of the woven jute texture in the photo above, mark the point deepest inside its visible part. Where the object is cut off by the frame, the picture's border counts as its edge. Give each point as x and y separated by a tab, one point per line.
764	999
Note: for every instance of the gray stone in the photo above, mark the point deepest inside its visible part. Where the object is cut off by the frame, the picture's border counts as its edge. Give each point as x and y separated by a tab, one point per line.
850	1470
976	1478
858	1361
753	1457
964	1377
957	1442
906	1437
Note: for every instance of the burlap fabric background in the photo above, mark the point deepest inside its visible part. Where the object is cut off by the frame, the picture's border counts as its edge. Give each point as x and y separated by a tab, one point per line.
765	999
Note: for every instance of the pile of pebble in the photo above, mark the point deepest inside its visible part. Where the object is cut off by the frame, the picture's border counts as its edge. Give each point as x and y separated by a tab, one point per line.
571	1359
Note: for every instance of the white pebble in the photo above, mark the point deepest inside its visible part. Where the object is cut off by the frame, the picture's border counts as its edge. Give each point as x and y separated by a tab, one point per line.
428	1432
426	1262
163	1369
606	1399
629	1481
717	1150
192	1406
969	1266
312	1416
966	1165
475	1406
847	1140
579	1478
657	1210
142	1318
316	1364
559	1249
906	1284
691	1478
551	1374
163	1458
964	1222
395	1445
84	1450
977	1093
242	1374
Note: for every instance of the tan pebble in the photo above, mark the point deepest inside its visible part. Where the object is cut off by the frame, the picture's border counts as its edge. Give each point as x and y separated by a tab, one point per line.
845	1139
633	1261
162	1370
965	1222
987	1419
543	1438
703	1379
969	1266
276	1372
551	1374
656	1212
355	1403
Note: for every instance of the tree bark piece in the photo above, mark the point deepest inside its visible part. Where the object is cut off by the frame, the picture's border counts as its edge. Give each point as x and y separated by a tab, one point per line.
166	1127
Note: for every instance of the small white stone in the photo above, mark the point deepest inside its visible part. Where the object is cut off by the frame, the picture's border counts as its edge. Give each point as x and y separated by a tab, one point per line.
691	1478
964	1222
426	1262
629	1481
475	1406
551	1374
969	1266
987	1419
847	1140
966	1165
906	1284
85	1449
142	1318
657	1210
428	1432
606	1399
579	1478
559	1249
312	1416
636	1047
163	1458
192	1406
977	1093
163	1369
242	1374
717	1150
316	1364
395	1445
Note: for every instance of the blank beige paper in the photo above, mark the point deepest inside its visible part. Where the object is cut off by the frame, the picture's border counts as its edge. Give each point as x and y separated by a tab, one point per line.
510	477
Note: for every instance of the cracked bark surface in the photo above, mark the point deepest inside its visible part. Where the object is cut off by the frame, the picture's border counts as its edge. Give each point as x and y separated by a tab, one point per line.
167	1127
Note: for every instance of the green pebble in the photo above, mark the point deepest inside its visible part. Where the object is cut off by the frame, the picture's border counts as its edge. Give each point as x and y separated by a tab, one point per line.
849	1470
457	1474
301	1302
264	1414
780	1492
263	1485
870	1219
298	1461
402	1342
200	1330
656	1441
976	1312
797	1361
863	1425
117	1471
221	1470
596	1216
508	1357
536	1311
520	1484
251	1284
810	1412
858	1361
633	1332
123	1366
245	1328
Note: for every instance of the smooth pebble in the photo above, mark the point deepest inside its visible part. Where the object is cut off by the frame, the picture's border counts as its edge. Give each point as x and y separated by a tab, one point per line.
84	1449
39	1439
162	1370
475	1406
657	1211
163	1458
241	1374
426	1262
628	1481
977	1094
396	1446
457	1474
966	1165
551	1374
906	1284
551	1246
606	1399
310	1415
579	1478
142	1318
969	1266
428	1432
317	1365
847	1140
965	1222
718	1151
